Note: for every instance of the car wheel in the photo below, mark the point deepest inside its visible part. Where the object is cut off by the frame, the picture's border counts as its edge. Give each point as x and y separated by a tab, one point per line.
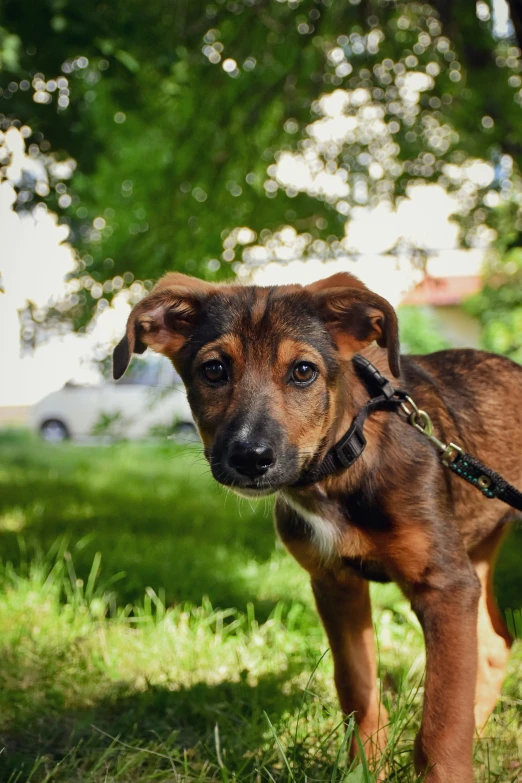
54	431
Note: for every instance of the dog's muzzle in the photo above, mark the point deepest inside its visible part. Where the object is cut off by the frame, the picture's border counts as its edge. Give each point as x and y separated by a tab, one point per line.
251	459
253	467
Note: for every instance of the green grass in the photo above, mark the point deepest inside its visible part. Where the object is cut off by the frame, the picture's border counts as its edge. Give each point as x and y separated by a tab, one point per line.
152	630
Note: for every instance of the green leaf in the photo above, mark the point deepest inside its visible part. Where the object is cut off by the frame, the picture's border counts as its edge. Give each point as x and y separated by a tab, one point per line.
127	60
358	775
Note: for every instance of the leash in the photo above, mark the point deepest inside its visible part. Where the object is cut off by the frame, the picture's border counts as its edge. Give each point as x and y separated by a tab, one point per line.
350	447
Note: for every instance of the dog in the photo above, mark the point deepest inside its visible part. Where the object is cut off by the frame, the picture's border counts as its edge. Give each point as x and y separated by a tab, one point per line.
272	386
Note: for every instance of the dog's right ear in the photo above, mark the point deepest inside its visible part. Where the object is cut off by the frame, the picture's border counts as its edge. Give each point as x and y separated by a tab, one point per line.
163	320
355	317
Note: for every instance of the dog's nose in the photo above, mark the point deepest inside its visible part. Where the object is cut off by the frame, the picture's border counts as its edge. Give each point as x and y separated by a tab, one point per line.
251	459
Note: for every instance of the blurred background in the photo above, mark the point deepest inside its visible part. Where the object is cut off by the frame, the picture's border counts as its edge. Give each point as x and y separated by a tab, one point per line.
152	627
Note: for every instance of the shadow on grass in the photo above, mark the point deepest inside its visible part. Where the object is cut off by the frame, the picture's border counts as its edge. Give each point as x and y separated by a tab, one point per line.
155	513
152	511
150	514
161	725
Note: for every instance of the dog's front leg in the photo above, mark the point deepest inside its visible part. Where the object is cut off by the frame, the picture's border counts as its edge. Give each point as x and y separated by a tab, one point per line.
343	601
448	616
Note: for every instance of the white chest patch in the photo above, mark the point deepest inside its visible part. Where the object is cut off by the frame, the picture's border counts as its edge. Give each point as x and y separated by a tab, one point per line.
324	533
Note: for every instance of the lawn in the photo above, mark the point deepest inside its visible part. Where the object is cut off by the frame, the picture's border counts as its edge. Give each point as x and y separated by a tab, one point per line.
152	629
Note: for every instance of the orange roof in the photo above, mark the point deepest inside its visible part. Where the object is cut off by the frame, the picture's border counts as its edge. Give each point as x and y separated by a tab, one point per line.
439	291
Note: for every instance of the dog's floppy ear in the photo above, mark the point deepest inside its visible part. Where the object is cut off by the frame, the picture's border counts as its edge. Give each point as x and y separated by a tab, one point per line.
355	316
163	320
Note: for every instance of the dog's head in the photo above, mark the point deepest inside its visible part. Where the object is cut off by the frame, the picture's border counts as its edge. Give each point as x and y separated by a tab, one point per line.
262	366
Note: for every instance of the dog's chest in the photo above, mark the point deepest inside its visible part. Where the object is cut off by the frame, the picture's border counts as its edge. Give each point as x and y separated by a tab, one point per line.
371	570
325	535
342	528
362	510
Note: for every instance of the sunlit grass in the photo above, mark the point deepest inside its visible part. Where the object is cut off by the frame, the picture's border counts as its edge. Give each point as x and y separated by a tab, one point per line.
92	691
114	668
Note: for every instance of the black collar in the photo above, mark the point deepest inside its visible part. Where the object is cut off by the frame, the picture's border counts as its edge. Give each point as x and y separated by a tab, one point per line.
352	444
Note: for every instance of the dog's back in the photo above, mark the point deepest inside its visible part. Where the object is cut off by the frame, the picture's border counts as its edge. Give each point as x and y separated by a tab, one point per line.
482	395
475	400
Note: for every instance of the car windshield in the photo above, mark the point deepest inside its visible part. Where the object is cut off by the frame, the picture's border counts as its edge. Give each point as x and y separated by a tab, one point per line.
153	371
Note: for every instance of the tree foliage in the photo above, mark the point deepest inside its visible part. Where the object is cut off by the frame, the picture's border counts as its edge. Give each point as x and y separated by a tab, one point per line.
419	332
185	117
498	305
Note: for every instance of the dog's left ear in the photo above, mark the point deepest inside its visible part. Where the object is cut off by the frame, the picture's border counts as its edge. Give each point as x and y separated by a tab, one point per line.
163	320
355	317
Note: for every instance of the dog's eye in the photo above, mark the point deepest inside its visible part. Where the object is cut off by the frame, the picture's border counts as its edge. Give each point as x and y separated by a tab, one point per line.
214	371
304	373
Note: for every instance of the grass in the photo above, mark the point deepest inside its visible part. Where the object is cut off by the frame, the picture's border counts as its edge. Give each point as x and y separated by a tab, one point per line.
152	630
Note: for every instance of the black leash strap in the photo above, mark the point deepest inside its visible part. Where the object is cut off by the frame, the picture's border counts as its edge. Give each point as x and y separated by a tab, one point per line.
350	447
471	469
490	483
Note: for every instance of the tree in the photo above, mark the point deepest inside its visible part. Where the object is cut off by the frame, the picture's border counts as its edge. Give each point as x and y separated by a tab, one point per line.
182	116
499	305
418	330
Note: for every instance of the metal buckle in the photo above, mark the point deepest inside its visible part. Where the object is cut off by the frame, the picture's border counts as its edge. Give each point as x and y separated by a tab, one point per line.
423	424
406	410
450	454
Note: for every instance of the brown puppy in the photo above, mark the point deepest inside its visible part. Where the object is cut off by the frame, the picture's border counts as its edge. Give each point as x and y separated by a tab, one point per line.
271	384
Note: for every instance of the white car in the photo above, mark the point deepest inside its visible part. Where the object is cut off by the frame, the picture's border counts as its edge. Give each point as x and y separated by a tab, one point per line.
149	400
